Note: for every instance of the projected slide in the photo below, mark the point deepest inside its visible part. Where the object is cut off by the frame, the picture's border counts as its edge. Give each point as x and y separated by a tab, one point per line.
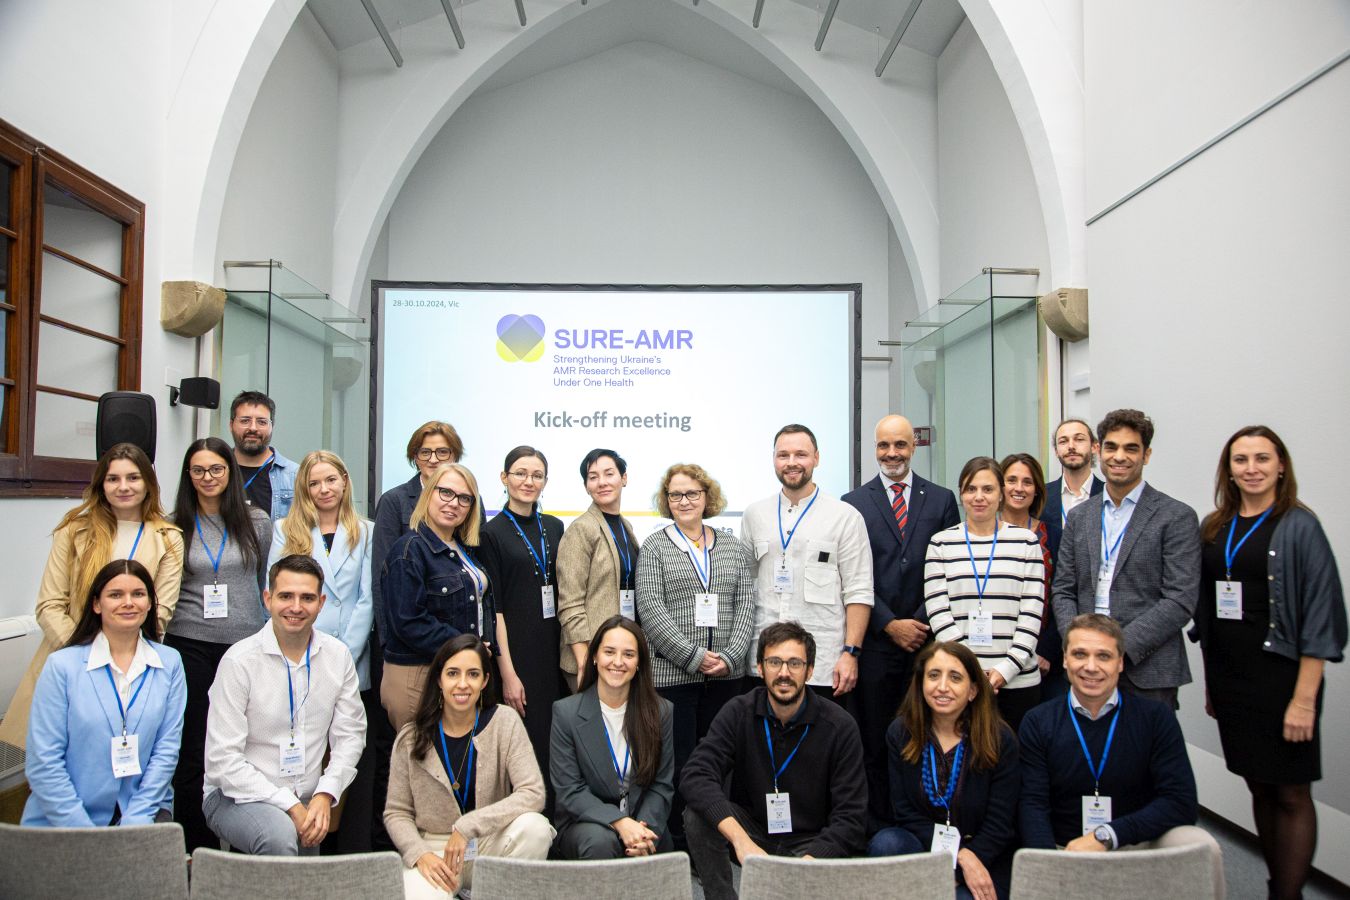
661	376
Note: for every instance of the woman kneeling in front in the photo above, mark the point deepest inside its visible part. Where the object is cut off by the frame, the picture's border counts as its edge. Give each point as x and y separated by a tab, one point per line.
463	781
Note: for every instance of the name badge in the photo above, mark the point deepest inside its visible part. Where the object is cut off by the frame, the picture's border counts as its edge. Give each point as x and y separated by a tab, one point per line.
981	630
705	610
215	601
471	851
628	604
782	576
1103	601
946	839
126	755
292	758
1229	597
623	804
778	811
1096	811
550	604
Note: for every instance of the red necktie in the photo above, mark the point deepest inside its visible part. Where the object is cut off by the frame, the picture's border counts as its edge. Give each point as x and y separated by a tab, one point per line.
899	507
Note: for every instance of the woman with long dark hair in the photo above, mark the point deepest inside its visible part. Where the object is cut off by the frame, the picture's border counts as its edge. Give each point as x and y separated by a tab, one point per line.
119	518
1024	497
954	773
463	781
79	716
612	759
1271	614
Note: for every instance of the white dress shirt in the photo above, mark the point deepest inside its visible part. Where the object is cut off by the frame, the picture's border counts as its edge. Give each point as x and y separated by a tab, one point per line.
1069	498
100	655
250	717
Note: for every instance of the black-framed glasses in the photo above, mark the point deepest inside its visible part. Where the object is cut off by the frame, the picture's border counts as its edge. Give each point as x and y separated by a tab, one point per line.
774	664
441	453
691	496
198	472
450	495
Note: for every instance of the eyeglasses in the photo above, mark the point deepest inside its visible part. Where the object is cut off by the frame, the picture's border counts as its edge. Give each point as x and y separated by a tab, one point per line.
774	664
691	496
247	421
449	495
198	473
441	453
522	475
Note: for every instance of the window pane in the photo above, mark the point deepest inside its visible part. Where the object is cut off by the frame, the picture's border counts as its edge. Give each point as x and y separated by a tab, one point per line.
79	296
72	361
6	177
81	231
6	246
64	427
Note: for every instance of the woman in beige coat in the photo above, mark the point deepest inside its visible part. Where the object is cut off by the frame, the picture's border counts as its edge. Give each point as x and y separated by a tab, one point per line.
463	780
119	518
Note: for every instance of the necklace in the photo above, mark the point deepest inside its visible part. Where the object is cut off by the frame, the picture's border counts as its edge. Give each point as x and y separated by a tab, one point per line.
697	541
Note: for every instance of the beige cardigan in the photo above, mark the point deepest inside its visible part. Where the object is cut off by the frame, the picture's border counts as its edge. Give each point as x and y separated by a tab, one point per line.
507	783
588	580
58	609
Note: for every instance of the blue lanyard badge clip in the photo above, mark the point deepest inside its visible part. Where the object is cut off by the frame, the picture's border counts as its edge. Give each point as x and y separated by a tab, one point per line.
930	780
981	585
705	570
1229	551
461	781
786	538
1100	767
773	764
220	553
117	695
541	558
290	690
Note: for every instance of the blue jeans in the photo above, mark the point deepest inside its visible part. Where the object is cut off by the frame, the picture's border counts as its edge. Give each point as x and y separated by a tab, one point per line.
896	841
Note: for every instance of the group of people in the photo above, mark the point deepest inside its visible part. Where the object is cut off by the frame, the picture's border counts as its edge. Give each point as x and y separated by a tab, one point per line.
876	673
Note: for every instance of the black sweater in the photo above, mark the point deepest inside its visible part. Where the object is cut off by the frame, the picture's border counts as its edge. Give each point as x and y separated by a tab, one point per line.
826	781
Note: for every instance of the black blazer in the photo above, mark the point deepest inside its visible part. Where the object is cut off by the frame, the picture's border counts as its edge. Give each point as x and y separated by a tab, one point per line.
1053	514
583	775
897	562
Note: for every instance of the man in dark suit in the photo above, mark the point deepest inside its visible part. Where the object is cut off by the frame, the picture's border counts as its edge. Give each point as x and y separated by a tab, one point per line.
1133	553
902	512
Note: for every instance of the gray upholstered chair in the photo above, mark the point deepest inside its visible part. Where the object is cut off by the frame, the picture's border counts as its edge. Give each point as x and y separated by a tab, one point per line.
922	876
356	876
664	876
147	862
1177	873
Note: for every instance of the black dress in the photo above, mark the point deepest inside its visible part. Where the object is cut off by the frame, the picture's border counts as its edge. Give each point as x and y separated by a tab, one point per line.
534	640
1250	687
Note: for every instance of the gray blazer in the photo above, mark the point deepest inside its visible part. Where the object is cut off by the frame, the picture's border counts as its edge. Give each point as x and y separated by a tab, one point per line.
583	775
1153	590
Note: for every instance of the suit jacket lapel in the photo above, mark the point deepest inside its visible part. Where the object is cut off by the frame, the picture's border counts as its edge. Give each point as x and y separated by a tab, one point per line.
1094	546
594	740
103	689
327	561
916	499
882	497
1148	505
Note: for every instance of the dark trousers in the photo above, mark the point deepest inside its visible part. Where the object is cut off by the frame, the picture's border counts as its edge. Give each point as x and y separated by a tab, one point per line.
353	834
695	706
883	680
1013	704
587	840
200	661
711	853
1166	695
379	736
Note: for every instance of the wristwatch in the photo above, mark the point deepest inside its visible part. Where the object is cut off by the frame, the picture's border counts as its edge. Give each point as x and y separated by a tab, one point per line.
1103	835
853	649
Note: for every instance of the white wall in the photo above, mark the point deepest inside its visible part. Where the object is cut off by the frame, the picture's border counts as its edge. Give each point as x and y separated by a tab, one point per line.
640	164
1218	295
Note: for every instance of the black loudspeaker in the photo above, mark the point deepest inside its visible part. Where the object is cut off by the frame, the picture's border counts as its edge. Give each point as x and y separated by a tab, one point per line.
200	392
126	417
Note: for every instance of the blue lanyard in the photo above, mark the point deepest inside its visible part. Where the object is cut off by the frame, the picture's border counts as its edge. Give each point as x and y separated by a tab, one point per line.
1100	767
543	542
1108	550
466	776
261	469
1229	551
704	571
117	695
622	773
475	573
970	551
220	554
624	555
787	540
140	531
290	691
779	770
930	779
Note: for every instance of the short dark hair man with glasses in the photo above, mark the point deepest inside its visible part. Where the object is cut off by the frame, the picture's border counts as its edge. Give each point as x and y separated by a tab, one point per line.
269	477
780	771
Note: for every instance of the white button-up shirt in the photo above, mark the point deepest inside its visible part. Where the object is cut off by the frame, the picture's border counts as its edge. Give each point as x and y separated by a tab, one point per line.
250	718
100	655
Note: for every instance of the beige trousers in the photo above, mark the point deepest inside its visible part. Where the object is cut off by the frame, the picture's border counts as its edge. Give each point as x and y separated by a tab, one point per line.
527	837
401	691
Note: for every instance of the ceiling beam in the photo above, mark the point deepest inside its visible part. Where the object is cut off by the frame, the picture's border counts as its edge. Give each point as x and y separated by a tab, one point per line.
384	32
899	33
825	24
454	23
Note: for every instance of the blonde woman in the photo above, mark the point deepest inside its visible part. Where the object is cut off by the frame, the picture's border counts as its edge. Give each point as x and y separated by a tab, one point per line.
120	518
434	587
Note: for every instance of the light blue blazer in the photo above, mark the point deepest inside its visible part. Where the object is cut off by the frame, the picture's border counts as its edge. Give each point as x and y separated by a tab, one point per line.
349	611
69	758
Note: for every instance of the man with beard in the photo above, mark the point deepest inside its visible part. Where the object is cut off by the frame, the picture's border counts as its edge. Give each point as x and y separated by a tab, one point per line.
902	511
269	477
779	773
813	563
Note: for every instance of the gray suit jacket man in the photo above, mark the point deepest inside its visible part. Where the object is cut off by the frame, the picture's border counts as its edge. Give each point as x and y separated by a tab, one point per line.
1154	587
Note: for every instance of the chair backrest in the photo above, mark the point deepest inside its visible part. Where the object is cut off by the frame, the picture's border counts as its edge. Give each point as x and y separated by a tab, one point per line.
147	862
922	876
356	876
1177	873
664	876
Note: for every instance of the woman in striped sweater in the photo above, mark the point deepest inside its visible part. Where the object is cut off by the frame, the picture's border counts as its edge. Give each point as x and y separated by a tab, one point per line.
984	585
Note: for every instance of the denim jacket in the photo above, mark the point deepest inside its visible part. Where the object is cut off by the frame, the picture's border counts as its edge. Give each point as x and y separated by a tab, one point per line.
282	475
429	597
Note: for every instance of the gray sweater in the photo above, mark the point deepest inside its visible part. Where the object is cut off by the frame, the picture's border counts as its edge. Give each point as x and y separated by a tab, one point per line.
243	583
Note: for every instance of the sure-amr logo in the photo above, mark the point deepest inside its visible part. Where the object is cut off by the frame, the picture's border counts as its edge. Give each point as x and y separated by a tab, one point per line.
520	338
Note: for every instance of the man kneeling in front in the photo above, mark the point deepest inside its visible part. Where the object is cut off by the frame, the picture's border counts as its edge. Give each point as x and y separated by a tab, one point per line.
281	698
1102	770
794	764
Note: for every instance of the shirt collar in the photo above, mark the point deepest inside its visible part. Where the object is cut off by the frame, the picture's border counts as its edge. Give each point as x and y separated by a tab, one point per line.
1132	498
782	498
1106	707
100	655
1082	494
273	648
907	481
805	714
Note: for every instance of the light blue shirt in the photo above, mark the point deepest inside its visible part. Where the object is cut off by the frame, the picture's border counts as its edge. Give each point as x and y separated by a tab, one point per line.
1116	519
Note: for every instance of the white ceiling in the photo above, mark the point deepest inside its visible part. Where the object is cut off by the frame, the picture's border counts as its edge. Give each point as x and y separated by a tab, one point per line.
346	23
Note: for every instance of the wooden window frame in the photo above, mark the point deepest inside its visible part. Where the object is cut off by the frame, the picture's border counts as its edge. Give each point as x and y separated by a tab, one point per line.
24	473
